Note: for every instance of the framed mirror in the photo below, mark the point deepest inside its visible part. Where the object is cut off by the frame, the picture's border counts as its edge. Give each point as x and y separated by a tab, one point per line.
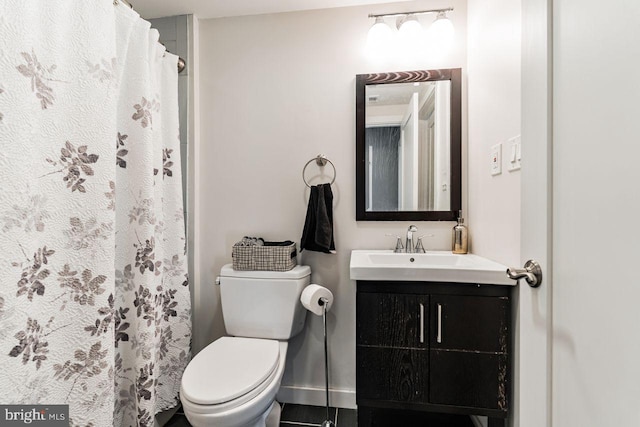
409	146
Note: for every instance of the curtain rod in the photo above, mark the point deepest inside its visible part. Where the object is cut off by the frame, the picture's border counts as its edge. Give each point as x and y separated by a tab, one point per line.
181	62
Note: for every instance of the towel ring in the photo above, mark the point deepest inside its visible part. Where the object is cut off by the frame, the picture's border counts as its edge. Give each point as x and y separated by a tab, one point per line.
321	160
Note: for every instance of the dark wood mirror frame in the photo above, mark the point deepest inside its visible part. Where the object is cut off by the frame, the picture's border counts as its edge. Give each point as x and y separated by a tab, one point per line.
362	80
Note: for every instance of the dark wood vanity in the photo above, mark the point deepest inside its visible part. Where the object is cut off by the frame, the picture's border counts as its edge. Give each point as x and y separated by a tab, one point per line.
432	347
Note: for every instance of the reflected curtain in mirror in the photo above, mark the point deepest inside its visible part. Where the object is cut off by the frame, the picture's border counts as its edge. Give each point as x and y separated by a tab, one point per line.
381	154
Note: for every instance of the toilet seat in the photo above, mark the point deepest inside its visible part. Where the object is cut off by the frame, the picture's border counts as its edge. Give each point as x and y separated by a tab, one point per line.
229	372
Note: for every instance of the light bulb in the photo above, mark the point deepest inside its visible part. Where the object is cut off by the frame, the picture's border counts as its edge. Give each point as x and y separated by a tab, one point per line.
441	32
410	36
409	28
379	40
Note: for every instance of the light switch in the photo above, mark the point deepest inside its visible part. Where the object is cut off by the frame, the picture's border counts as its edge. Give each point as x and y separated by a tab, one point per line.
496	159
515	153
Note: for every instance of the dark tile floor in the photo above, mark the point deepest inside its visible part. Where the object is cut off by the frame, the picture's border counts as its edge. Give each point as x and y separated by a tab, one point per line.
178	420
293	415
313	416
303	415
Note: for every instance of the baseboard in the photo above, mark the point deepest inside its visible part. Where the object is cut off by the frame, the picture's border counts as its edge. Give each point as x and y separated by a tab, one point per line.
338	398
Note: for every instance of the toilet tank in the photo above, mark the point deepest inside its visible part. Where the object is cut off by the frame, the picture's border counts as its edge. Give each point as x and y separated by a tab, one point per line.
263	304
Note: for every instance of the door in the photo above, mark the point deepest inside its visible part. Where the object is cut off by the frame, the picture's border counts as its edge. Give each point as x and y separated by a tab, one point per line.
426	161
596	292
578	333
532	379
409	156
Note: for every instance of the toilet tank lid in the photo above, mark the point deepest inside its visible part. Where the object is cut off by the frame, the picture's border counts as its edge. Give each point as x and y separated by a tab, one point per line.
297	272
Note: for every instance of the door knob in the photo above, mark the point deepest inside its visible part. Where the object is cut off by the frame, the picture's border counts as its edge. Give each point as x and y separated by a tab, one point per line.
531	272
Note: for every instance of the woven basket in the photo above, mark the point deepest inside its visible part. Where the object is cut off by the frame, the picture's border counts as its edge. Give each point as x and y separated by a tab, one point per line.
268	257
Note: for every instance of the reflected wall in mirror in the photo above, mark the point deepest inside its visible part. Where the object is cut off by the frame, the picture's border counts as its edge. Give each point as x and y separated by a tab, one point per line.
408	145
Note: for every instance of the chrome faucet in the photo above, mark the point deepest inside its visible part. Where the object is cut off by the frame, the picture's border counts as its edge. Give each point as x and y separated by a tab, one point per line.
409	246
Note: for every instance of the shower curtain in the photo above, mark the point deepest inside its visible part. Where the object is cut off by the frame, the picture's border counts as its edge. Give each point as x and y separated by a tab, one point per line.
382	144
94	297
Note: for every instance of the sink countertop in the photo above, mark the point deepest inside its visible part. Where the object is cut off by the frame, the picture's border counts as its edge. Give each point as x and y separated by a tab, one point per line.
432	266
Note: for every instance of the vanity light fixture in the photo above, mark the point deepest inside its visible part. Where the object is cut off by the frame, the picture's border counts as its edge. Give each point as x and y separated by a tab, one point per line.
410	34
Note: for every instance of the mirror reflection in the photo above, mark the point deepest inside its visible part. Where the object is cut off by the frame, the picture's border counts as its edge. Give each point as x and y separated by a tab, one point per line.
408	146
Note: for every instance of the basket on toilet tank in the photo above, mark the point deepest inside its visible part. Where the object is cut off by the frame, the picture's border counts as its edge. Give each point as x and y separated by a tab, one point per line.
269	256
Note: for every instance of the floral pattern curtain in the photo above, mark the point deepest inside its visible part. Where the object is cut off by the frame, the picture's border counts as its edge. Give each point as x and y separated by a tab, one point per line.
94	297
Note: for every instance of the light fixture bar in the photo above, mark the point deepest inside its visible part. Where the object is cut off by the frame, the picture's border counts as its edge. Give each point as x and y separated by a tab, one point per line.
418	12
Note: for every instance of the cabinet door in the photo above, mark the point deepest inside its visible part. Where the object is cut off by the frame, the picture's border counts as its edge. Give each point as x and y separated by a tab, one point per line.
462	322
472	380
392	374
392	320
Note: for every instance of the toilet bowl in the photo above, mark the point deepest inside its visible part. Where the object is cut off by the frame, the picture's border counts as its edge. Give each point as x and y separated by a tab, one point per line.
233	381
247	371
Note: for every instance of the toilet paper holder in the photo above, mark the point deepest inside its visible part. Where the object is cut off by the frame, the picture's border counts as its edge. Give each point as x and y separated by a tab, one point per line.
323	298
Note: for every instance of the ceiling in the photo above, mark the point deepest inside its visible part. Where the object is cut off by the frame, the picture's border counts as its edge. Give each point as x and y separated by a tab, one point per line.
396	94
220	8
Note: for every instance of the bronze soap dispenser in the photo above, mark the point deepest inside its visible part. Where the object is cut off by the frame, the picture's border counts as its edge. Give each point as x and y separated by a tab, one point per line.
460	242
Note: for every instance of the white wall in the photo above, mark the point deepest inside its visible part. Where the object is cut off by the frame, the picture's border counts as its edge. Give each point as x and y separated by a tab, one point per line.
275	91
494	117
494	99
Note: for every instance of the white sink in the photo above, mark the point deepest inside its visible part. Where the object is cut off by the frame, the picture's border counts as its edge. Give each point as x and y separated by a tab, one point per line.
432	266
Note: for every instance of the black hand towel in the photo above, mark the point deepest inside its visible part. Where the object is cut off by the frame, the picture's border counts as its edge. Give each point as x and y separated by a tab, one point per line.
317	234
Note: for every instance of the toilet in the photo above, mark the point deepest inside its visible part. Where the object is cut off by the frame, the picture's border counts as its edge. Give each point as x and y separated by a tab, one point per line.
234	380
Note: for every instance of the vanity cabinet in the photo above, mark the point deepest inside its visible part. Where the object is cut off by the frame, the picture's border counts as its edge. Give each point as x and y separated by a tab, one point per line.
434	347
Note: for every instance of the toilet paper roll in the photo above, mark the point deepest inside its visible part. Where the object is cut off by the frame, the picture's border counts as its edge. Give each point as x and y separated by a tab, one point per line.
311	298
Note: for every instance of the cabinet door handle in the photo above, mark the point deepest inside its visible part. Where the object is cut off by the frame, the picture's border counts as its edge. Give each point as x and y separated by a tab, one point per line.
421	323
439	324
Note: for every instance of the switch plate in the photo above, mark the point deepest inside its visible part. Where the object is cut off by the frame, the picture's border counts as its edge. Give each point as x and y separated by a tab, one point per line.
496	159
515	153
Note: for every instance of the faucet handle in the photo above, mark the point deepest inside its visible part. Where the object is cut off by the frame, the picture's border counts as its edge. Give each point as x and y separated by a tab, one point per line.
399	247
419	246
